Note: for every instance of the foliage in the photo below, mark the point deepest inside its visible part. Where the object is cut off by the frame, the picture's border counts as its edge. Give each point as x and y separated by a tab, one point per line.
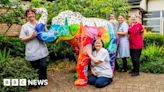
152	51
155	66
150	38
15	45
4	55
120	63
152	59
9	3
60	51
17	48
14	14
88	8
16	68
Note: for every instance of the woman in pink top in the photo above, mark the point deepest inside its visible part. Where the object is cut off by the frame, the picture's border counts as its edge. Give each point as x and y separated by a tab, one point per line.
136	44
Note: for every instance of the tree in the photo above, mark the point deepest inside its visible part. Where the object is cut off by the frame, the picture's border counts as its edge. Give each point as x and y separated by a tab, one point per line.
14	14
88	8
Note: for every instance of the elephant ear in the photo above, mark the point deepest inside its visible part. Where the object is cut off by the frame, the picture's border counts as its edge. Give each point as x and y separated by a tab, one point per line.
74	29
64	33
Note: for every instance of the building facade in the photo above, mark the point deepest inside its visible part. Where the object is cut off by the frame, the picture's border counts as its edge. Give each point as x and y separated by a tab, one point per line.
150	13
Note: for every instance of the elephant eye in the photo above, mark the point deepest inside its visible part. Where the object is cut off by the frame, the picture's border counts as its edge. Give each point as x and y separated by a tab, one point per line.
84	38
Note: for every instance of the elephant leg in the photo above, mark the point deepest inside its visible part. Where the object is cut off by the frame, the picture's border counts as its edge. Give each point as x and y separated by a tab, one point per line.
82	69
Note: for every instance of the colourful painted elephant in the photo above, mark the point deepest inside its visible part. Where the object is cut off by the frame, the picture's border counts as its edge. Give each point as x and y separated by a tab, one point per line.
79	32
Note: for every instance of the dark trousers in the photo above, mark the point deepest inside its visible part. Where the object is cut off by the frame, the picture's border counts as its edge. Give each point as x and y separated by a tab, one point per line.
41	65
135	57
99	82
124	63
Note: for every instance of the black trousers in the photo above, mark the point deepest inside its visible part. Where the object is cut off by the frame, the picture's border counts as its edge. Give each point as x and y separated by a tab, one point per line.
135	57
41	65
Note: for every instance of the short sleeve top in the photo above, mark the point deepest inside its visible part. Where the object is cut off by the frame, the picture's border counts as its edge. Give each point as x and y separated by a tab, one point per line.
104	68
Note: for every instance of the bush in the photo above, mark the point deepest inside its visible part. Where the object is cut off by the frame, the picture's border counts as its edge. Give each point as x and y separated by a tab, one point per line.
156	66
17	48
151	52
60	51
15	45
152	59
150	38
16	68
4	55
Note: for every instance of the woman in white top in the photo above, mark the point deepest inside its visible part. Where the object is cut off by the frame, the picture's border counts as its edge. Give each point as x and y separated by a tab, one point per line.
36	51
100	67
123	47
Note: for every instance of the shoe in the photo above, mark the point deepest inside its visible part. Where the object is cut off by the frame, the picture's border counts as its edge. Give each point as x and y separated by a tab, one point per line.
124	70
135	74
130	72
119	70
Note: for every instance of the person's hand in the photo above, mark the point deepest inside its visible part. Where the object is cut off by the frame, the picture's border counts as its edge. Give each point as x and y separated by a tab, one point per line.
88	49
93	72
34	34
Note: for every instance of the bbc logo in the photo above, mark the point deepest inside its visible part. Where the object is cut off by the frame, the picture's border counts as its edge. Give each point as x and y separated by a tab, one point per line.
14	82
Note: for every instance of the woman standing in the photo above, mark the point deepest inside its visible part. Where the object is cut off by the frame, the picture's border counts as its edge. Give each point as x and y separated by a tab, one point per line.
123	47
113	56
136	44
100	68
36	50
114	22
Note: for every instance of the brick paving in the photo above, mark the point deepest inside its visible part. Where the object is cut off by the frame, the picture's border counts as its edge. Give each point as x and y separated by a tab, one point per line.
123	82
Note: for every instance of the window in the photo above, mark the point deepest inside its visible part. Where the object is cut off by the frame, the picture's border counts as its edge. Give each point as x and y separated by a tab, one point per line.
153	14
153	29
154	22
151	21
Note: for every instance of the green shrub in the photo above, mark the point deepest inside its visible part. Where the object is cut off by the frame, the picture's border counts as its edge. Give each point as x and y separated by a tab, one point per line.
150	38
151	52
4	55
152	59
60	51
129	63
16	68
15	45
17	48
156	66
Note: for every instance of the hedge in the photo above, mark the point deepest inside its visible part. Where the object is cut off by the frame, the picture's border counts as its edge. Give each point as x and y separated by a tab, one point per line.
16	68
17	48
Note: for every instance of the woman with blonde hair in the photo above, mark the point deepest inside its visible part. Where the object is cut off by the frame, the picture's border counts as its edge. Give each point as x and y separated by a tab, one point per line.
136	44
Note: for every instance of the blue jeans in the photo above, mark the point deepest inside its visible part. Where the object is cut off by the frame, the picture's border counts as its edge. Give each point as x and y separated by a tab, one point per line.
99	82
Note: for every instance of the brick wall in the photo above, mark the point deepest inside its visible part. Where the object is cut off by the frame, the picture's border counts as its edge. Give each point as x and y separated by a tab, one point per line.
3	10
13	31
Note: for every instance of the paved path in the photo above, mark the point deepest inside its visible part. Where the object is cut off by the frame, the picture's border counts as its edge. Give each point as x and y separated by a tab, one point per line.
123	82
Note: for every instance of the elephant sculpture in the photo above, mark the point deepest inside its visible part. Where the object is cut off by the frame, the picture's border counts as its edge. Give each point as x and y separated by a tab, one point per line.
79	32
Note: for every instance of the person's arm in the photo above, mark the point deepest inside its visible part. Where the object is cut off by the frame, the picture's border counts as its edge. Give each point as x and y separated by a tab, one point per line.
93	72
124	30
28	38
88	50
122	33
24	36
141	28
93	58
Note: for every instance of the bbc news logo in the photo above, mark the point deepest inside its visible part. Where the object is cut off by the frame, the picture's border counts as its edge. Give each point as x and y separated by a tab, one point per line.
23	82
